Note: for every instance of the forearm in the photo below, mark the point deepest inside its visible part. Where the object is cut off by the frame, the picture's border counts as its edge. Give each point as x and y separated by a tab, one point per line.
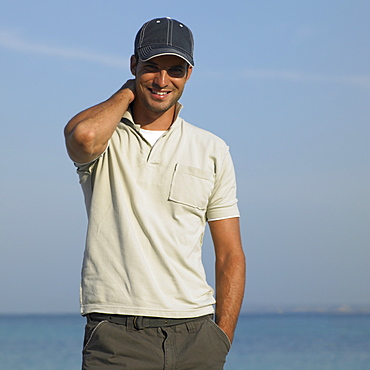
88	133
230	284
230	272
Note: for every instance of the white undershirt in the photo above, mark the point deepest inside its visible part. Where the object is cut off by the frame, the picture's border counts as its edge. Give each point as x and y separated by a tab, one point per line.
151	136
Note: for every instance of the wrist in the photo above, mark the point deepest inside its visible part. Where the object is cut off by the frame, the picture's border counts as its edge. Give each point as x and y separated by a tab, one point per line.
228	331
125	95
127	91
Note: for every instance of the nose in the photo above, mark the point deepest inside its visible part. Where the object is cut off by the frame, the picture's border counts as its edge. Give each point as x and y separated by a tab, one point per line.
161	78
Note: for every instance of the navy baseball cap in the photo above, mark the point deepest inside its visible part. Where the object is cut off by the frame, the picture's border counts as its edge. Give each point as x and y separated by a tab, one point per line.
164	36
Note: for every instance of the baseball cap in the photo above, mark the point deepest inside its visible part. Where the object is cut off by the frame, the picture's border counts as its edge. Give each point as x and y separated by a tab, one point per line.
164	36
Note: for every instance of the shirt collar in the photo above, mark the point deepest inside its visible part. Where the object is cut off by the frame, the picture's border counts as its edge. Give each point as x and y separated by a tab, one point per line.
128	119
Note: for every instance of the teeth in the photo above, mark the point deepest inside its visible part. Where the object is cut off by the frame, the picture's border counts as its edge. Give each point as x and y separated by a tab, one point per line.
162	93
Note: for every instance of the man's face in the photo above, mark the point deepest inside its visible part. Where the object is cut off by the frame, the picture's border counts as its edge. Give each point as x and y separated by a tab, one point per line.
160	81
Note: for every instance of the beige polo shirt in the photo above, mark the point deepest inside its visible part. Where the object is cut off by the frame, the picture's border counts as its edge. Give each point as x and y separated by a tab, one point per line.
147	209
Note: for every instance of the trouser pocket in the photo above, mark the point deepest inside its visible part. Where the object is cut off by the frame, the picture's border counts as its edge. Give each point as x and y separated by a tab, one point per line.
91	330
220	333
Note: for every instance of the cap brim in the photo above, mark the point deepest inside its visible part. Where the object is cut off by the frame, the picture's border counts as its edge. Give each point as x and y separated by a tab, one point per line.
146	54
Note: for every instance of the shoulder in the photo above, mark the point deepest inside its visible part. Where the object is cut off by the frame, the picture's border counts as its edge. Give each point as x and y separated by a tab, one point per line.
203	136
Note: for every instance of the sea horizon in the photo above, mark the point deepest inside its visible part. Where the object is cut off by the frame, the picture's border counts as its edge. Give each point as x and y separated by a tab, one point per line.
341	309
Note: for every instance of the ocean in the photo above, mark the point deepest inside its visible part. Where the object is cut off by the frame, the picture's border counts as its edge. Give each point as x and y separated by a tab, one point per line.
262	342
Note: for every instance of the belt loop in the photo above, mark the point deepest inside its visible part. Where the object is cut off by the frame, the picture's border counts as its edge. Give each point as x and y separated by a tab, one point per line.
130	323
191	327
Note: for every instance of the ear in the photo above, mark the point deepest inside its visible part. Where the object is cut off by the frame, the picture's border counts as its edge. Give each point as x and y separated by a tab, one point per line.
190	70
133	64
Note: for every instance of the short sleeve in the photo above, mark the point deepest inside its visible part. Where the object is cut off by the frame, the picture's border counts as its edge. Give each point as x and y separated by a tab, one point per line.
223	202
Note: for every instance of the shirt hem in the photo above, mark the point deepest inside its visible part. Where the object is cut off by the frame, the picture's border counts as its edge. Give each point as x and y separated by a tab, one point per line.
85	310
223	218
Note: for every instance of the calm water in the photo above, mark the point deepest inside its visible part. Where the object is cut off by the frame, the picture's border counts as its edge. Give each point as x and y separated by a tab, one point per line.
263	342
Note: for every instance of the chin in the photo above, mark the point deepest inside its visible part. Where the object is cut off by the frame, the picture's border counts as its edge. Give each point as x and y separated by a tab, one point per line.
160	108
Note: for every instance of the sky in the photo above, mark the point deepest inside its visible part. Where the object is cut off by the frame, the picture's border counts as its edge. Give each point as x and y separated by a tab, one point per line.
285	83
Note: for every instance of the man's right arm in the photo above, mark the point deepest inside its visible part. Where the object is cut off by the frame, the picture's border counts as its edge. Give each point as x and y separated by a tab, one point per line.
87	134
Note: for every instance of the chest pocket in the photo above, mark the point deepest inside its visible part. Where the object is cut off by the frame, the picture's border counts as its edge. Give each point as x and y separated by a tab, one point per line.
191	186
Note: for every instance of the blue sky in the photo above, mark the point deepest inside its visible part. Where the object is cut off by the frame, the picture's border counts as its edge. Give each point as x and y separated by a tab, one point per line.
285	83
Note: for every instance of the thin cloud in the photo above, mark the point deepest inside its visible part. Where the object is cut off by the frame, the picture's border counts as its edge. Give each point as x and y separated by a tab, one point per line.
13	41
296	76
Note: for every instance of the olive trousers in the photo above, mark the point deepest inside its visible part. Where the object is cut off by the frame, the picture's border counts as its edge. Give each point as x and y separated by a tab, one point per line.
120	344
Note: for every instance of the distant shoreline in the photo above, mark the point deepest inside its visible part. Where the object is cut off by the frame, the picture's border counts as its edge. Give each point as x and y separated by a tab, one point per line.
253	310
339	310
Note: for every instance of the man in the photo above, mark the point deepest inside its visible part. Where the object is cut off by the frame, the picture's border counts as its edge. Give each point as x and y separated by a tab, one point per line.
151	181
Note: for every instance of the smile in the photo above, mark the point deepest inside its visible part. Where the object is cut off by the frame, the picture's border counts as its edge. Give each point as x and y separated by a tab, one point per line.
159	93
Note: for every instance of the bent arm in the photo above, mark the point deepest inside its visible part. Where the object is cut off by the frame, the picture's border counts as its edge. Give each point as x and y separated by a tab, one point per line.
230	272
87	134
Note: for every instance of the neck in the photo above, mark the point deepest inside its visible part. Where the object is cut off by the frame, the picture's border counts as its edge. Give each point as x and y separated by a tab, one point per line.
148	120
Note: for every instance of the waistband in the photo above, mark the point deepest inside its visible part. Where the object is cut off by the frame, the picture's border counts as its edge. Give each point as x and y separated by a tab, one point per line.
142	322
